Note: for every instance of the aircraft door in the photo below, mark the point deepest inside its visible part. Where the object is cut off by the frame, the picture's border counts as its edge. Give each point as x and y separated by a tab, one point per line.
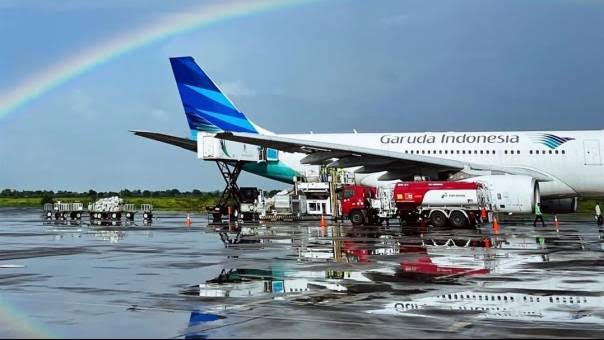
591	148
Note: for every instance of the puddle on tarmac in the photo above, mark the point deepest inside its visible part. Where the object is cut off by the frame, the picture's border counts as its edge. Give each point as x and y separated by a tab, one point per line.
298	280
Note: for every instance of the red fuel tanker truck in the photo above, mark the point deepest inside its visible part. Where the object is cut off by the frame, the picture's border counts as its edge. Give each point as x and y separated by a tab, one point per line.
366	205
441	202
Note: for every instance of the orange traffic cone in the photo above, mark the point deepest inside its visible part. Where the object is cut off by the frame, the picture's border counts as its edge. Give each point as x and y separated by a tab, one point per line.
487	243
323	223
556	223
188	220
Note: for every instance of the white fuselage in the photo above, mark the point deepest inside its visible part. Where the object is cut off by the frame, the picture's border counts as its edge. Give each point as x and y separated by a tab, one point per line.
572	158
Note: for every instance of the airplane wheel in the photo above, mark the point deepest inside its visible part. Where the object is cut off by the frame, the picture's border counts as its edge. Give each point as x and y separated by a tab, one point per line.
458	219
438	219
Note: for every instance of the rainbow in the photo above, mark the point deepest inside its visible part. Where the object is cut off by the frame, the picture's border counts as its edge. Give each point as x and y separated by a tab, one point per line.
18	325
37	85
195	18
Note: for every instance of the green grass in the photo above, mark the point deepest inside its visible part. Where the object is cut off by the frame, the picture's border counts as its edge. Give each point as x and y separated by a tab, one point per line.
20	201
588	206
185	203
191	203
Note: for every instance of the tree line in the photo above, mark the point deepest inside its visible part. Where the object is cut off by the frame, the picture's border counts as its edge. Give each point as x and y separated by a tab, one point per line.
100	194
11	193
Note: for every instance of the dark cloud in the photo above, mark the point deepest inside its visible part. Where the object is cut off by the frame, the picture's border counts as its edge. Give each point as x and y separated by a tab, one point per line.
325	67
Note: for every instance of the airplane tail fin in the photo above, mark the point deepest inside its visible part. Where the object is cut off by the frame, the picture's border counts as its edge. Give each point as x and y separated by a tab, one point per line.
206	107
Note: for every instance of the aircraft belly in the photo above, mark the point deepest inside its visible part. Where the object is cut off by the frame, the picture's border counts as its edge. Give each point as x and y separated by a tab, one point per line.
278	171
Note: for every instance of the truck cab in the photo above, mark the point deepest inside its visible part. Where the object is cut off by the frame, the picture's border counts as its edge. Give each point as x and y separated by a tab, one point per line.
355	203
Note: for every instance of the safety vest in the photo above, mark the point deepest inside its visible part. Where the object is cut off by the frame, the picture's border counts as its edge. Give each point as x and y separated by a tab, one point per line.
537	210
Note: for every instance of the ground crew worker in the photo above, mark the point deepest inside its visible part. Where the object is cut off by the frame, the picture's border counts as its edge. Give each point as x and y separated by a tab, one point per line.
538	215
599	217
483	215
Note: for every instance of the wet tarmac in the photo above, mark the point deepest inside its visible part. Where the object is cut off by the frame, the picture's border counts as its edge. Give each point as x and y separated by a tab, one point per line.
171	280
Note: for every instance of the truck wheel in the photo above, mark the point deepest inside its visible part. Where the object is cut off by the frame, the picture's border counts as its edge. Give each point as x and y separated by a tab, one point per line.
458	219
438	219
357	217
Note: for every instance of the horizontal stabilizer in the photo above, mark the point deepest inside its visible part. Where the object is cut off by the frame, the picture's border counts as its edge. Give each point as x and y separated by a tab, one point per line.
184	143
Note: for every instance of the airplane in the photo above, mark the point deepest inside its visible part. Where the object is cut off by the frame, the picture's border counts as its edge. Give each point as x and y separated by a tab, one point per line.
551	167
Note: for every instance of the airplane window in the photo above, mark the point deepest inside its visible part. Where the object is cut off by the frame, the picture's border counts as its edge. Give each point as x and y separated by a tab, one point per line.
487	152
556	152
511	152
517	152
531	152
417	152
457	151
411	151
405	151
423	152
505	152
440	151
464	152
446	152
475	152
563	152
550	152
481	152
493	152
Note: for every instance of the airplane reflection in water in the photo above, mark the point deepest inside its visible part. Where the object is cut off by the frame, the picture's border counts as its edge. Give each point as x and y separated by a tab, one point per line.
335	259
112	235
505	305
197	321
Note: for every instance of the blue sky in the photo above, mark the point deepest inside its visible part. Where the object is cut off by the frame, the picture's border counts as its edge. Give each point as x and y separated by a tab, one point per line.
326	66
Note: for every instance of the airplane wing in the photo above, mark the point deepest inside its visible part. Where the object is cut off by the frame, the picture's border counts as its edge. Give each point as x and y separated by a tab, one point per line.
397	164
184	143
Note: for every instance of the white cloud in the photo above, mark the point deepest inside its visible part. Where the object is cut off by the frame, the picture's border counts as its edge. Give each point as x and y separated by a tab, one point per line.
395	20
159	114
72	5
81	104
277	91
237	88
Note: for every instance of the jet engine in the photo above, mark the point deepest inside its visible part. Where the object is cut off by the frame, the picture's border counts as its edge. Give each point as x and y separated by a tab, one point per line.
559	205
510	193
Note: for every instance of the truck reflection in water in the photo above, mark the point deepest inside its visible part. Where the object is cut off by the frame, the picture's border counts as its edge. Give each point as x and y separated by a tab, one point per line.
452	266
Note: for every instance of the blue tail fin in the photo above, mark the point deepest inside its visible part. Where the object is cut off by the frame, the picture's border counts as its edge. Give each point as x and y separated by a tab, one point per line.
206	107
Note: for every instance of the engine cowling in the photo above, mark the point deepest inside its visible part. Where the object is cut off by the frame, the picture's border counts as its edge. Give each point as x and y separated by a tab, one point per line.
510	193
559	205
